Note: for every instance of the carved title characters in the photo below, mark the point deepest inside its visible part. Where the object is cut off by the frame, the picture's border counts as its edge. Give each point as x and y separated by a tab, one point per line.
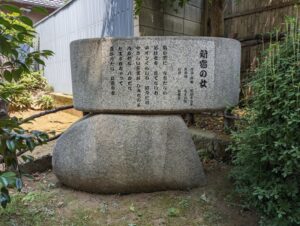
203	65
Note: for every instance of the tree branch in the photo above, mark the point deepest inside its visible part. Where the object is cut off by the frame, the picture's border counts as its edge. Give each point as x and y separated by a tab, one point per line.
54	138
37	116
46	113
24	151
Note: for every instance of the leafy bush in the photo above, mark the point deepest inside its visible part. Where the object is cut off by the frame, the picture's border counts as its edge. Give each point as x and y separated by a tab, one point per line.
33	81
267	150
20	102
45	102
14	142
29	84
16	31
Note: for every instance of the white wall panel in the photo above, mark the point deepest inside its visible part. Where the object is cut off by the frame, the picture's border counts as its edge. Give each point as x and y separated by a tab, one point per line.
77	20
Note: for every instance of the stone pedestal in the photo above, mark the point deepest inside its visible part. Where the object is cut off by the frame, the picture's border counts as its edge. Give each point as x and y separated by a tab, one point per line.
136	87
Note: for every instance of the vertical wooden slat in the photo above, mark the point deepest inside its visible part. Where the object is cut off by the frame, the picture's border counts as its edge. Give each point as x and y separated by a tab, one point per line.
265	20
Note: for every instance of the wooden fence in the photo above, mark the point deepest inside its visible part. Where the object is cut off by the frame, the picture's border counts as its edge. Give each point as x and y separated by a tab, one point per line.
250	21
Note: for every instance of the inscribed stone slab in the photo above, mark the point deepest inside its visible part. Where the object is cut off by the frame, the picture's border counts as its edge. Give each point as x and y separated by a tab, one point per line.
155	74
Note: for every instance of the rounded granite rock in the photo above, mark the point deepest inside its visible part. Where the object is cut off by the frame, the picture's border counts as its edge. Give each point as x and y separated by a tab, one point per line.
127	154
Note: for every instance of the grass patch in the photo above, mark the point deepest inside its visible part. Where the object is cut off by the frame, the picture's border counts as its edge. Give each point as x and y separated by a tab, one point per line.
34	208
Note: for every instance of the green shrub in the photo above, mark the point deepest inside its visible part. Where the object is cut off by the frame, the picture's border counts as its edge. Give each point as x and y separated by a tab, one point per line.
267	149
16	30
45	102
20	102
33	81
16	95
30	84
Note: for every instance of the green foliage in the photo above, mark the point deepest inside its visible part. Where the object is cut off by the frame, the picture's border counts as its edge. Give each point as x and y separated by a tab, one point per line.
27	86
33	81
7	89
205	154
16	34
267	149
20	101
173	212
33	208
14	141
45	102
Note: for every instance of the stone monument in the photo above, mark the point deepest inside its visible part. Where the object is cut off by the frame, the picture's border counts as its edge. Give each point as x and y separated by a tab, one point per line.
136	88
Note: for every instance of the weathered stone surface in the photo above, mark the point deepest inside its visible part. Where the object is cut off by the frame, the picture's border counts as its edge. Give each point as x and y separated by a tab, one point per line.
155	75
128	153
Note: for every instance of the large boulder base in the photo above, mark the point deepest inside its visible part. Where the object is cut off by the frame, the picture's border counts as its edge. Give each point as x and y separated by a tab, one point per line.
127	154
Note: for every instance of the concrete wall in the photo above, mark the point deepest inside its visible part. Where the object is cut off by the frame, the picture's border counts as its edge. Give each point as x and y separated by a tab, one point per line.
155	19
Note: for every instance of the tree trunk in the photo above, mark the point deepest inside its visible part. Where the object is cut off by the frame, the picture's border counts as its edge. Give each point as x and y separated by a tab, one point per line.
215	27
215	20
3	109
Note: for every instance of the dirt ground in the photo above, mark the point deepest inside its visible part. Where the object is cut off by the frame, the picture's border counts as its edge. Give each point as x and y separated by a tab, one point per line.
57	122
45	201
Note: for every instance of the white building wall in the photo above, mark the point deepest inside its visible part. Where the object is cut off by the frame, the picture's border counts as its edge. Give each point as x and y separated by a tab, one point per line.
78	20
